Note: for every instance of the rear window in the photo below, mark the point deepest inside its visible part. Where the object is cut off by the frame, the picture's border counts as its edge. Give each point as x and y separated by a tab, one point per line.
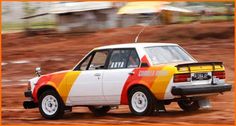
167	54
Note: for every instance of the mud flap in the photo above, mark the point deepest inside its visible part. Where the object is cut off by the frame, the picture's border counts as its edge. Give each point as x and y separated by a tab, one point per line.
68	109
160	107
204	103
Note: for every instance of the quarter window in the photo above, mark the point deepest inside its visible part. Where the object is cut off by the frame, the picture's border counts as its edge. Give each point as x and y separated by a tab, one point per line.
133	60
84	65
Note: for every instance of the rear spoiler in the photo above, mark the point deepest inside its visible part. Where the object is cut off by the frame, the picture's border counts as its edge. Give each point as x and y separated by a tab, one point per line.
199	64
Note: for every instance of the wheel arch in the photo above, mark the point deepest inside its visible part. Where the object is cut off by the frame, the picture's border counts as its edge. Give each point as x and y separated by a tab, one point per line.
49	89
137	85
45	88
126	90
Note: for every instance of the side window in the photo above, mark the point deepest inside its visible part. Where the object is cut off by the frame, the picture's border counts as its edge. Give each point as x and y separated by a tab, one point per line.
99	60
119	59
133	60
124	58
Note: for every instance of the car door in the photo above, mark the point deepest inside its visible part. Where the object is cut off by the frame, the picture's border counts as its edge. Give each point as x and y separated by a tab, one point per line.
87	89
120	65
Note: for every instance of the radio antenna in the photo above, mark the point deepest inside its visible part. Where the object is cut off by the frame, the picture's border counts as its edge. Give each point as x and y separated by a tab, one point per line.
136	38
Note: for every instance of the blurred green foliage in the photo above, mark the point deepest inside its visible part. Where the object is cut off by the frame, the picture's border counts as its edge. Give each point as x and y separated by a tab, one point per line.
215	4
186	19
7	27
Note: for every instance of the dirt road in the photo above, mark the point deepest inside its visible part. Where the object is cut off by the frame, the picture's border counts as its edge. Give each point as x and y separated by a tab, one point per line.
222	112
54	52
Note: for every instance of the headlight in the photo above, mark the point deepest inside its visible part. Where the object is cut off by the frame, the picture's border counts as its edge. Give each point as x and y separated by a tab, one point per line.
32	82
29	86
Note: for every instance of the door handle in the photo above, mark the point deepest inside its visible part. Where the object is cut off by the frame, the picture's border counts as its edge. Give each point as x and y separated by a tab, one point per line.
97	74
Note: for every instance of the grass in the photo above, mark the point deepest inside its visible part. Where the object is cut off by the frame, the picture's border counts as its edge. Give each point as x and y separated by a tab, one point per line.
205	18
11	26
218	18
8	27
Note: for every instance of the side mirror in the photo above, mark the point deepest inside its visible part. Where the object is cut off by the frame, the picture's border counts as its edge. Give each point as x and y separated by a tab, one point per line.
38	71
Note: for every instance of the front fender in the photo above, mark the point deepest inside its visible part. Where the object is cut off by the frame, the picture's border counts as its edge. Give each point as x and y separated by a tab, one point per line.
61	82
43	81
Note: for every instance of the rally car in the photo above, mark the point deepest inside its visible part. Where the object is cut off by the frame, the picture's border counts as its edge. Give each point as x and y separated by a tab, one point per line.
145	76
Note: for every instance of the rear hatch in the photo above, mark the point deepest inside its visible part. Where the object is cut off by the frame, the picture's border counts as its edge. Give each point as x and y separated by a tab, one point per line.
200	73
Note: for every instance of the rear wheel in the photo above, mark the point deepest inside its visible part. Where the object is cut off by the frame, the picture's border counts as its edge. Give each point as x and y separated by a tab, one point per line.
99	110
141	101
189	105
51	105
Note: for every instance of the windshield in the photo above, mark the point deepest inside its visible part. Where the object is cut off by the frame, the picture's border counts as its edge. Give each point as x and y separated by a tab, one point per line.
167	54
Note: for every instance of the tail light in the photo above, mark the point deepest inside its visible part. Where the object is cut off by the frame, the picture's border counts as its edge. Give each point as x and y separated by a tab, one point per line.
219	74
186	77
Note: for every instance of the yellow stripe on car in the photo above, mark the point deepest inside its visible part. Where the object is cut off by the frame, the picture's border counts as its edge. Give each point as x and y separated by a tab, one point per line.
161	82
66	84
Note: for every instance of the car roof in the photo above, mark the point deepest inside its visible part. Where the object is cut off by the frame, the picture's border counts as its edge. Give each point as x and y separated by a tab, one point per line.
134	45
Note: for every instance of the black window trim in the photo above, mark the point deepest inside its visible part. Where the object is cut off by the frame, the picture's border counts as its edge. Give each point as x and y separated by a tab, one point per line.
77	68
127	59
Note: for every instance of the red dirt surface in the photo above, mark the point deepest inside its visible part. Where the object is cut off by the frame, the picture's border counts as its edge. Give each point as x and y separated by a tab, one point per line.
54	52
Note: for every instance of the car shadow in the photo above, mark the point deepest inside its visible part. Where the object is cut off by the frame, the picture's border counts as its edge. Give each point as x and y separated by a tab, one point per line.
113	115
173	113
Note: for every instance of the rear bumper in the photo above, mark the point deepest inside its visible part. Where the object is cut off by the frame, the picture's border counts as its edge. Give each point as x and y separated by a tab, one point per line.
200	89
28	104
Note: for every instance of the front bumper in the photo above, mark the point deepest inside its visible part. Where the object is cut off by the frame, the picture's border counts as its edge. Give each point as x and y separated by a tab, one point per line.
28	93
28	104
200	89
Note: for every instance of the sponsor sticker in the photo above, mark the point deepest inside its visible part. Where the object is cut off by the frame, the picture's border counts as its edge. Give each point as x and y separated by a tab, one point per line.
145	73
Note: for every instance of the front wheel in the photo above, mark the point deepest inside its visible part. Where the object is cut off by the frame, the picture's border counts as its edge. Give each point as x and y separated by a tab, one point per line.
189	105
141	101
99	110
51	105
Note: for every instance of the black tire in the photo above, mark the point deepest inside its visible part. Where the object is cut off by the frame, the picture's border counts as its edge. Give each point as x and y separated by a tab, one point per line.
99	110
150	107
189	105
59	110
